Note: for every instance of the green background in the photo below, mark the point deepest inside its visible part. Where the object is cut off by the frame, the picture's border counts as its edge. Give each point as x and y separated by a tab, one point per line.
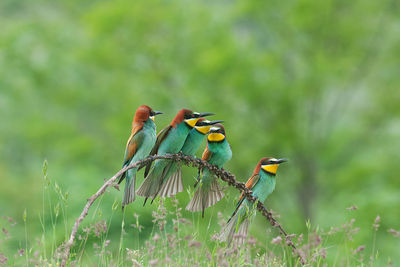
316	82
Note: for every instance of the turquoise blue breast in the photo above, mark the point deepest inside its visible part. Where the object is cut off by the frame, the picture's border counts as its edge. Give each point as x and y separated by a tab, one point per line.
192	142
221	153
264	187
148	138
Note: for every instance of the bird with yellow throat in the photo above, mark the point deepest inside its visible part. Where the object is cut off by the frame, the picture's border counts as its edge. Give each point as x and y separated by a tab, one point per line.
217	152
262	184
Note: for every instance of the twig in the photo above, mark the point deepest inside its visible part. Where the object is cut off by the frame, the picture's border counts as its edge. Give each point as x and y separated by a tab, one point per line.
189	161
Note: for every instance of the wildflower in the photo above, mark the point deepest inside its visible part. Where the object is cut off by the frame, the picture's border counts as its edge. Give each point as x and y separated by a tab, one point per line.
354	207
394	233
185	221
317	240
156	237
138	226
100	228
3	259
86	230
299	239
359	249
298	251
208	255
132	254
153	262
21	252
10	220
215	237
322	253
333	230
194	243
6	233
376	223
277	240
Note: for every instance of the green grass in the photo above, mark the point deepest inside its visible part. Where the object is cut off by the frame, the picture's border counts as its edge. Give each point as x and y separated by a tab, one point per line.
174	240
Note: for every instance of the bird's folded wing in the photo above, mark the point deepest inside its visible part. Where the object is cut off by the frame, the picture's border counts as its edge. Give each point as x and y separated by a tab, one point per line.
160	138
253	180
134	142
207	154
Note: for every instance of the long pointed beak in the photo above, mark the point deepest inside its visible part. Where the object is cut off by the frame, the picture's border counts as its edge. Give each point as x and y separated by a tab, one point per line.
279	161
157	112
214	122
205	114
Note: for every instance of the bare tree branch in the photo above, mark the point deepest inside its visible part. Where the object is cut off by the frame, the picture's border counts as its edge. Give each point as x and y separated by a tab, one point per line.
189	161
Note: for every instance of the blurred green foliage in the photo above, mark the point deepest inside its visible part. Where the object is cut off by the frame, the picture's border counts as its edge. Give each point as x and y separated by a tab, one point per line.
313	81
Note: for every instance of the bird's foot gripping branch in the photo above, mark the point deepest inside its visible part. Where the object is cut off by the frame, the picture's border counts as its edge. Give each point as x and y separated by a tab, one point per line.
189	161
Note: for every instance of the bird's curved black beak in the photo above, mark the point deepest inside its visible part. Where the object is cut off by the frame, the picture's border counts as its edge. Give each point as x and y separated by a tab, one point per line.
214	122
201	115
279	161
207	123
154	113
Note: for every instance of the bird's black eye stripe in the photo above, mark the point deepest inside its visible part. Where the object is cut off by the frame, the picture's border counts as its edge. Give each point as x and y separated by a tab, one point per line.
188	116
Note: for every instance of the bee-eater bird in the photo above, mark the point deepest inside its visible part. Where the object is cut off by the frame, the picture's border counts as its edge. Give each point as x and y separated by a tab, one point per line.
262	184
172	184
169	141
139	145
217	152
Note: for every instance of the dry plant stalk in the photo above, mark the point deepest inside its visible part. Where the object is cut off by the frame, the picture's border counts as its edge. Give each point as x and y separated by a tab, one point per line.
189	161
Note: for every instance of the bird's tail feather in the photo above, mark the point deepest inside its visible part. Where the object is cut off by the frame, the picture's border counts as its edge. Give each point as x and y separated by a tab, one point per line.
151	184
129	192
145	189
204	198
195	202
160	179
172	186
215	194
235	231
